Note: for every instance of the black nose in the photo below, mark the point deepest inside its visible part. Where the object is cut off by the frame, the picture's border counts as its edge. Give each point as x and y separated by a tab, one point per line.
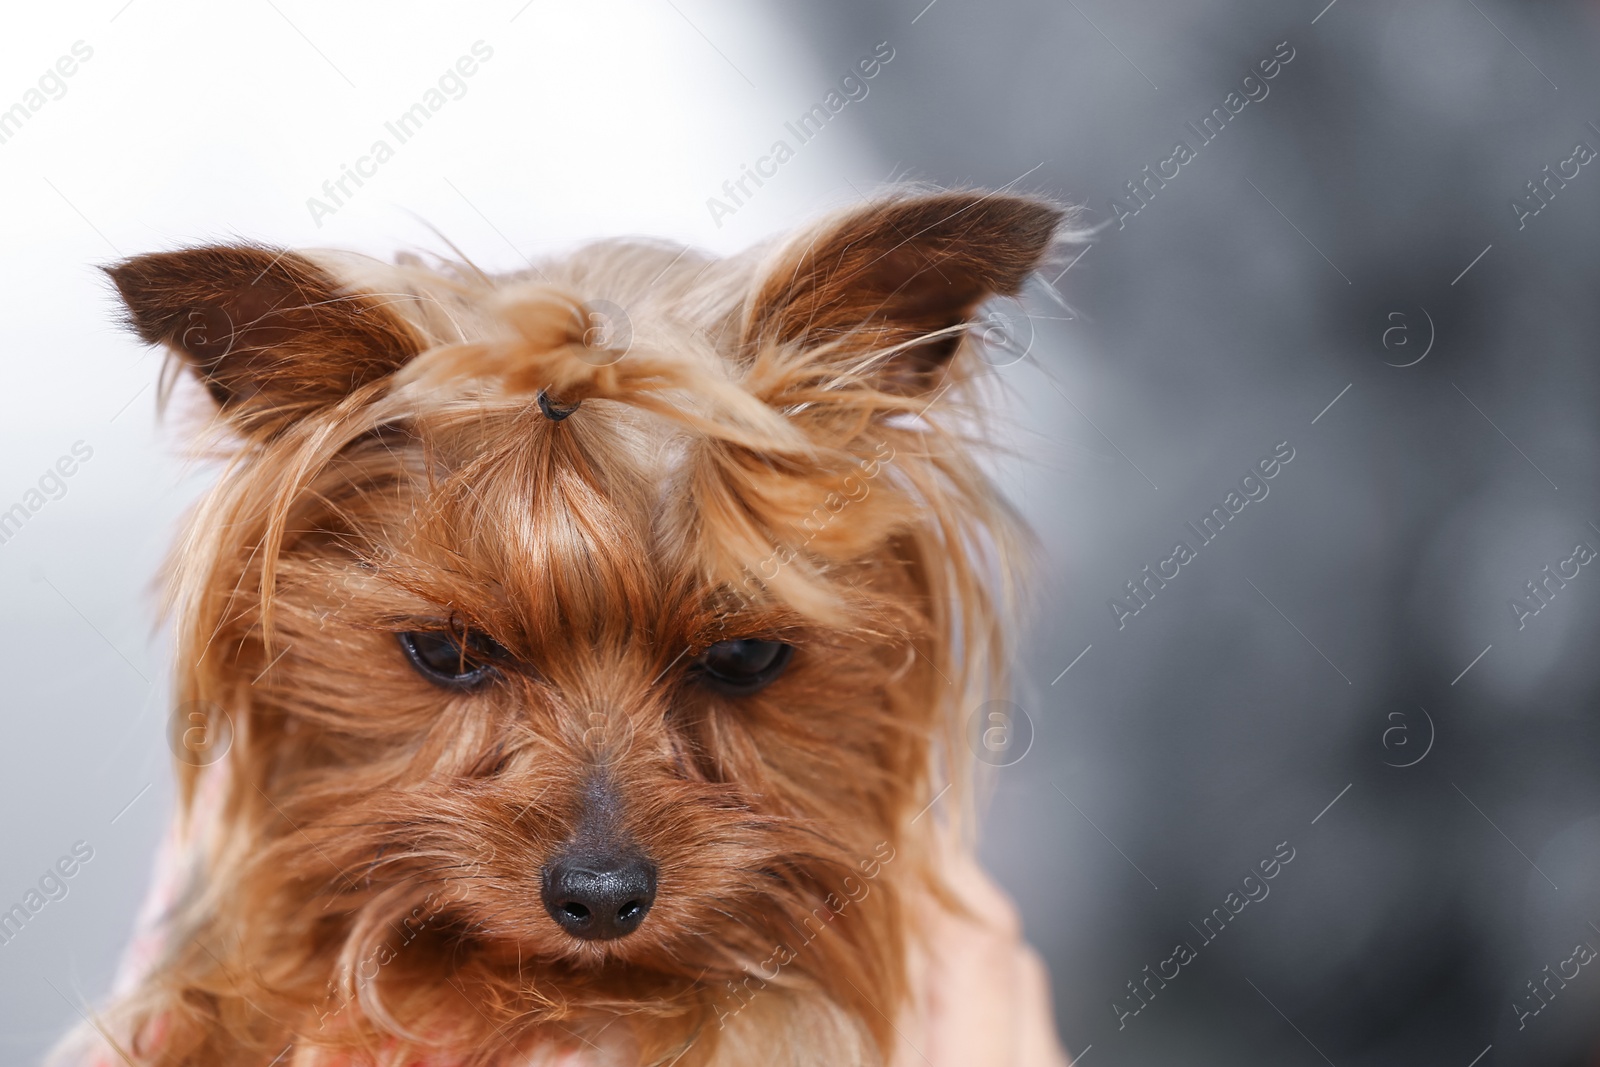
599	897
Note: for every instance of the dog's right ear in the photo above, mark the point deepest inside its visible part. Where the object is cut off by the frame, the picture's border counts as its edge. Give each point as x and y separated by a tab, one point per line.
271	335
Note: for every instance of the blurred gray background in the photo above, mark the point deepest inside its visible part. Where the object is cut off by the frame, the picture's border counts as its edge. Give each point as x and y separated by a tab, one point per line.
1340	672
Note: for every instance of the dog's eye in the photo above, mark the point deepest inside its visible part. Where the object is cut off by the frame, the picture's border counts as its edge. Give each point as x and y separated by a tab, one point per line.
741	667
450	661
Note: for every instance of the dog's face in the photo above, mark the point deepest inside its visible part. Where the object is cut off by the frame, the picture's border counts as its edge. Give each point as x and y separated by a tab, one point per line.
572	678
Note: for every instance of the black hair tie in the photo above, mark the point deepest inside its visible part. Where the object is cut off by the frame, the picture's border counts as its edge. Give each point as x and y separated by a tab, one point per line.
553	411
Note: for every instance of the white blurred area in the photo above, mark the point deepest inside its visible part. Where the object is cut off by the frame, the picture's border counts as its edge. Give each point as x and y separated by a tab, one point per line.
196	122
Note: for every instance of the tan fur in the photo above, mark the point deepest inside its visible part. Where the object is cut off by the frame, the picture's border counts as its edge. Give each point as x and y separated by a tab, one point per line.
782	451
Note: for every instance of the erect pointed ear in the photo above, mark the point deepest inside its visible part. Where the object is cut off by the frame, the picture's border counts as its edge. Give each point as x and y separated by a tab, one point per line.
270	334
899	269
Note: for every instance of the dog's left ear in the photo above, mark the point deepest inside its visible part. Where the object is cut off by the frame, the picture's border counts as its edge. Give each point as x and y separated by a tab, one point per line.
900	269
271	335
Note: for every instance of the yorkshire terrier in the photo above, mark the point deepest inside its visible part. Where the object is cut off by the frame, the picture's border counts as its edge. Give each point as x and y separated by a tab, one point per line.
572	662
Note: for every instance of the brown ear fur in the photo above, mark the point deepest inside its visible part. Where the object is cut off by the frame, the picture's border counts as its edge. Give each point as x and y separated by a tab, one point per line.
270	334
899	269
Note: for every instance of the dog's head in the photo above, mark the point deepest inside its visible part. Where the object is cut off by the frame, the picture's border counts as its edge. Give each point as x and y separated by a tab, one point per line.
589	638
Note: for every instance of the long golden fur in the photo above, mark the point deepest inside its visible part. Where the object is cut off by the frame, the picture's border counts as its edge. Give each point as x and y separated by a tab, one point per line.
776	445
